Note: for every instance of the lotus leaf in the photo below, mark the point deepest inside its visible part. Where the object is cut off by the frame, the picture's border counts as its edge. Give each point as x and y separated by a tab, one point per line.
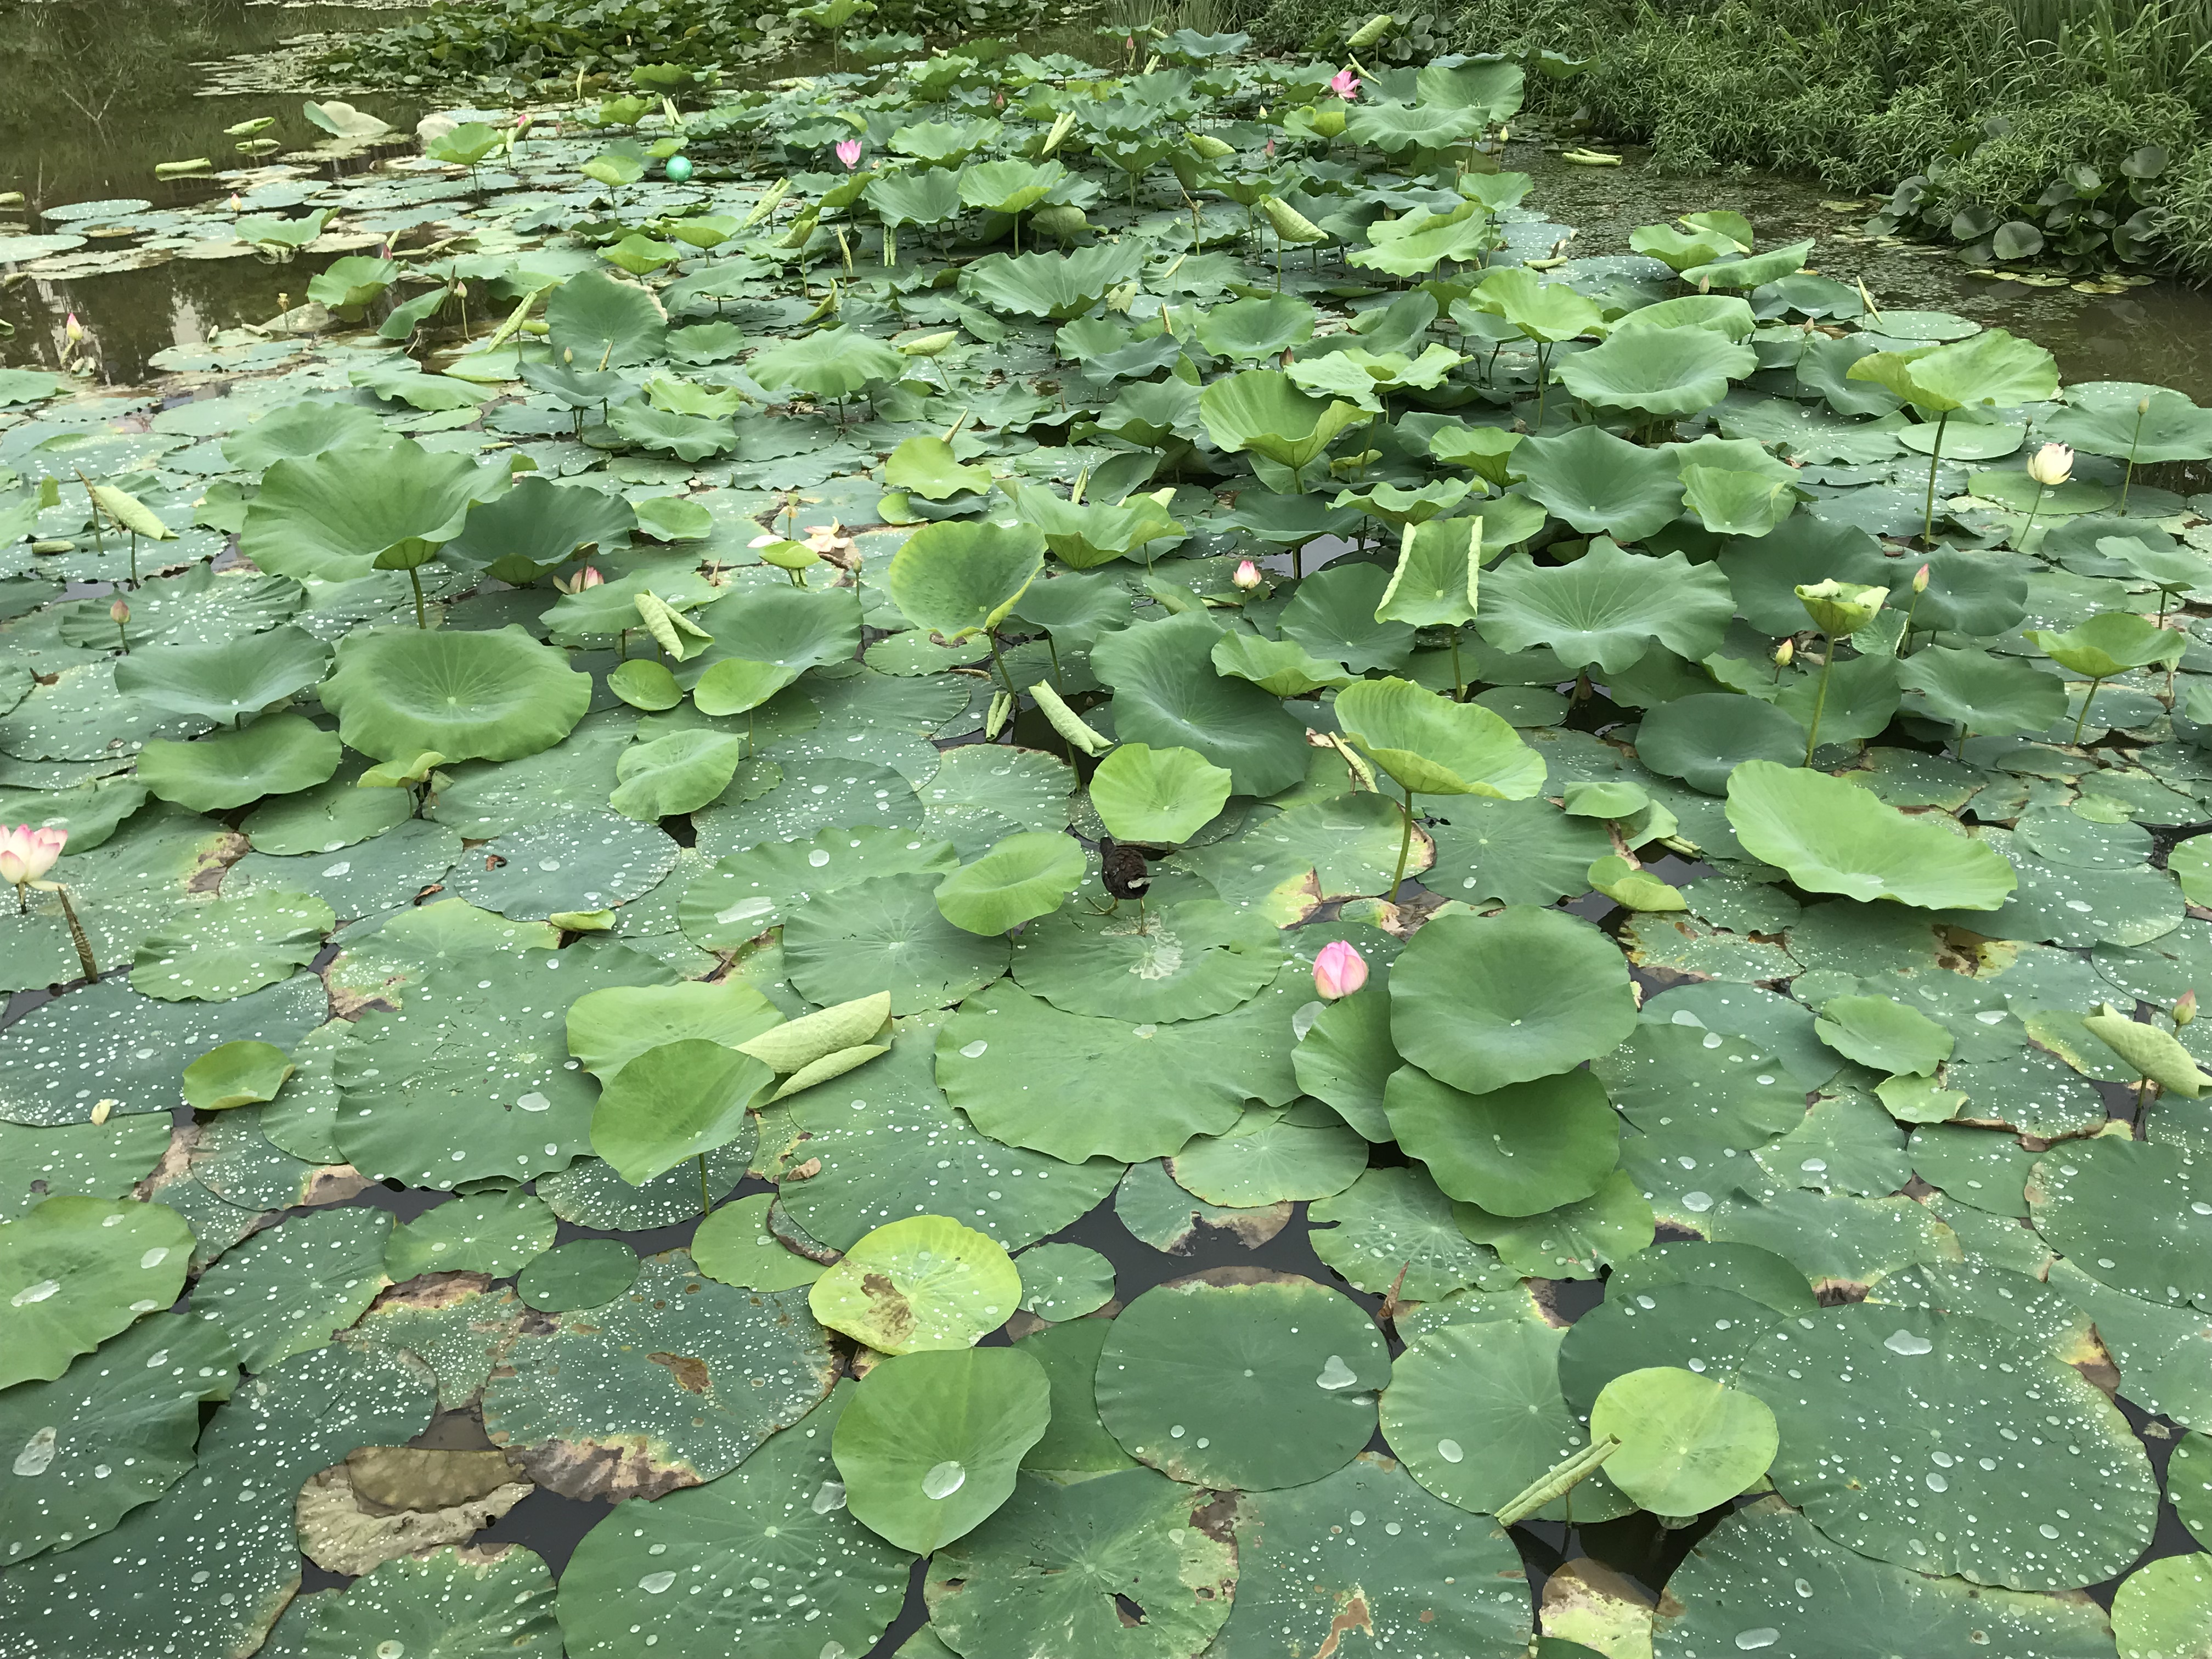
1433	746
278	755
920	1285
1688	1443
331	516
75	1271
1168	696
930	1444
1832	838
493	695
673	1102
597	322
1520	1150
1660	371
1158	795
1606	608
226	682
1262	410
1480	1002
1597	482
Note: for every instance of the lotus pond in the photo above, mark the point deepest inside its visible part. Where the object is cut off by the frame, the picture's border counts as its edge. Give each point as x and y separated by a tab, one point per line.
1019	854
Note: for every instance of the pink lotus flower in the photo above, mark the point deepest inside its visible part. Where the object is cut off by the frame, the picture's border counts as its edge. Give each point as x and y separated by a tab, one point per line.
27	854
587	577
1247	576
1339	970
848	152
1344	84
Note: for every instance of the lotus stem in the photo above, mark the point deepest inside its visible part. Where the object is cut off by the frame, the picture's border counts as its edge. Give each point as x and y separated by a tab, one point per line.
998	662
1820	697
1935	458
1405	844
2034	508
2082	718
1459	680
706	1194
415	576
76	933
1557	1481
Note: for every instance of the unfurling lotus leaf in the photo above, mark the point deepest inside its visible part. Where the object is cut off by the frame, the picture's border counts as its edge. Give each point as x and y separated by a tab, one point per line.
2154	1053
796	1044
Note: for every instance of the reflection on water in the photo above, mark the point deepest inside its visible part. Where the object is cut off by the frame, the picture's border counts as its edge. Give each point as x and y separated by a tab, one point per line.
93	95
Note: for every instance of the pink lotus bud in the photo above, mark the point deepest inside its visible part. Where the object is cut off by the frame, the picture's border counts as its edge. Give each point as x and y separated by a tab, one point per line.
72	329
120	612
1344	83
1247	575
2185	1010
2052	466
1339	970
848	152
1785	653
237	202
27	854
1271	146
1920	580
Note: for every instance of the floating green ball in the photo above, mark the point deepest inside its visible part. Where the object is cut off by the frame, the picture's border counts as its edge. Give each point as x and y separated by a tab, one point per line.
677	169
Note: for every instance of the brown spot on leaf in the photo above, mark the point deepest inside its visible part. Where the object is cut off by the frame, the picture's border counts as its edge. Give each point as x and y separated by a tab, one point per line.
605	1470
690	1374
1351	1615
805	1171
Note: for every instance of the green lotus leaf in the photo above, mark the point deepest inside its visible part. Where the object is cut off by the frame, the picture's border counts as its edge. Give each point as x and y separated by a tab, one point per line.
1702	737
922	1284
1059	1567
1282	667
1474	1413
1597	482
492	696
1161	796
585	1272
928	196
1260	327
1022	877
298	432
1660	371
2144	425
1060	286
1728	315
1681	249
1415	243
1147	1088
885	933
1197	958
774	1517
1334	615
1434	746
233	1074
2109	643
675	774
1882	1388
213	952
1480	1002
644	683
1730	503
1606	608
277	755
1543	311
226	682
687	437
828	363
596	321
284	1291
1993	368
673	1103
443	1600
498	1233
1750	270
609	1028
331	516
1393	126
1883	1034
75	1271
1687	1442
133	1409
735	1246
1273	1372
925	464
1262	409
1520	1150
1984	695
347	285
930	1442
959	579
1010	186
1834	838
1084	535
1435	582
1167	695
